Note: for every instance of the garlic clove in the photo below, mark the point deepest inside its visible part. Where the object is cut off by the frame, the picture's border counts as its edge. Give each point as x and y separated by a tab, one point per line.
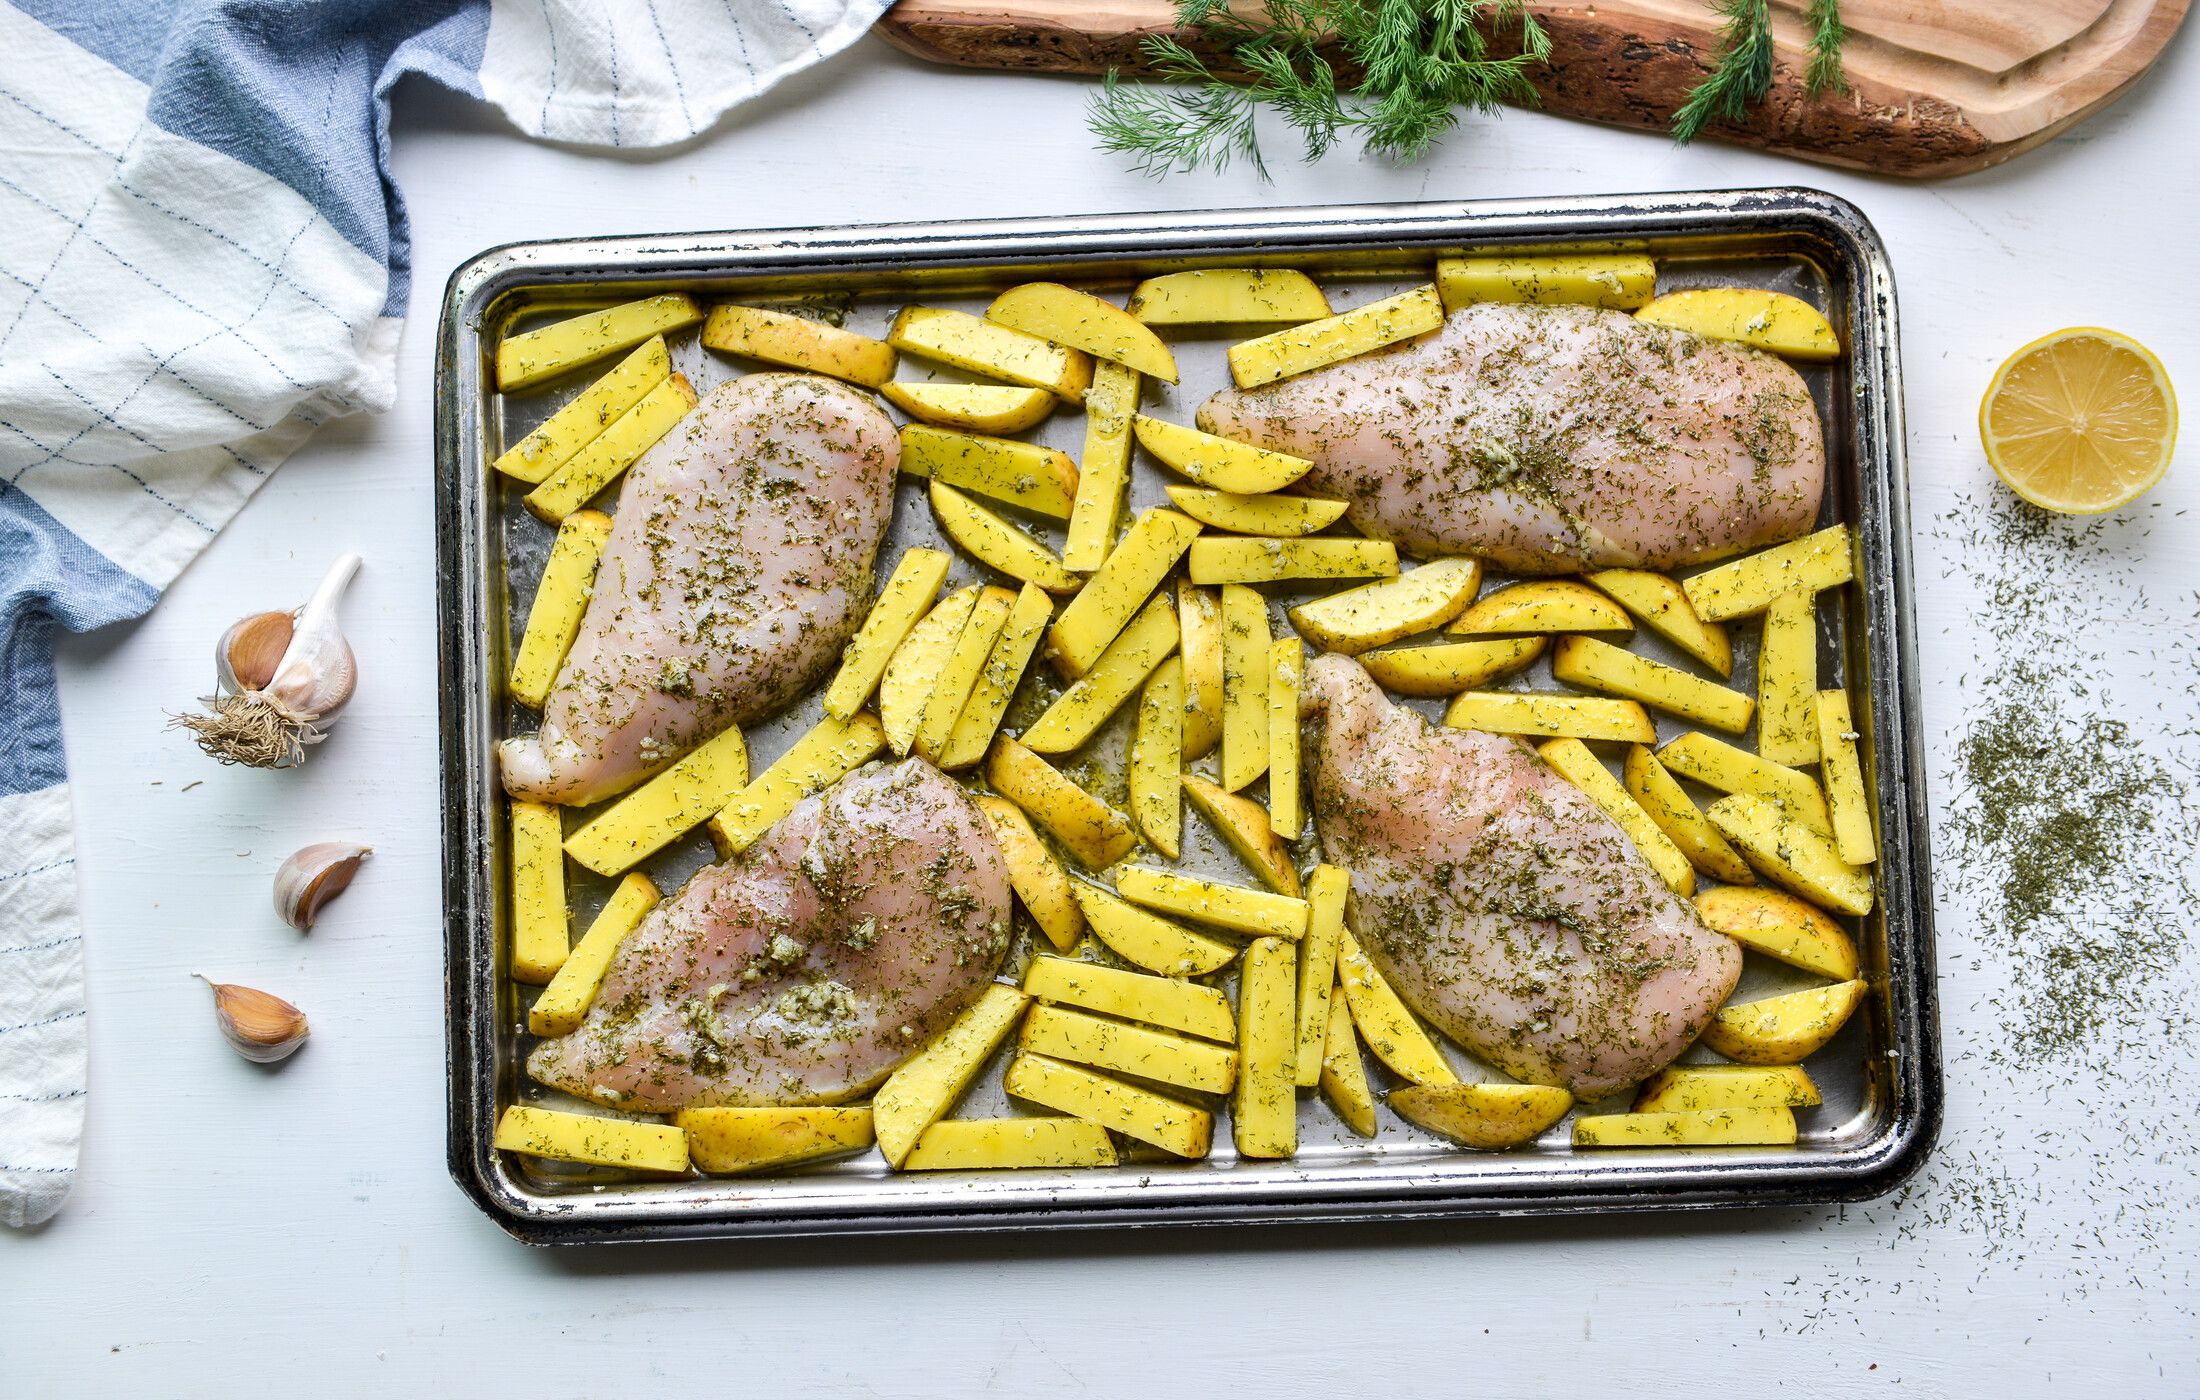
246	656
312	877
262	1026
317	672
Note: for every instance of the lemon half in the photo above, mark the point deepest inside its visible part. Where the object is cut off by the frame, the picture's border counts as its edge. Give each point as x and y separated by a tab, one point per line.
2080	421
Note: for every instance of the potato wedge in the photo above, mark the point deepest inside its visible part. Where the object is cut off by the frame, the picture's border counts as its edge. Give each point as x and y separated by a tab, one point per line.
1783	1030
528	359
998	1144
1243	825
1264	1111
1715	1127
1257	913
904	600
1343	1077
1586	771
587	472
1128	1049
598	1142
1846	805
1105	470
1177	1005
1546	716
996	543
1039	479
1148	940
960	339
1703	759
1118	589
1541	606
1228	296
1749	584
1793	854
733	1140
1199	631
1450	667
1220	559
1004	669
798	342
1038	879
1110	1103
1680	819
1280	354
1383	1021
1375	614
1594	665
1488	1117
1781	927
667	807
566	1000
997	409
905	688
1614	281
1157	759
561	597
1134	654
1268	514
1661	605
959	673
1286	796
927	1084
1325	894
1786	326
1224	464
1084	322
535	457
1695	1088
541	924
1787	680
830	751
1089	829
1246	652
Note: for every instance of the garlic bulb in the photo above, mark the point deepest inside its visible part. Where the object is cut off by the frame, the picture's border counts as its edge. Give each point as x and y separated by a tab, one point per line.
263	1027
281	676
314	876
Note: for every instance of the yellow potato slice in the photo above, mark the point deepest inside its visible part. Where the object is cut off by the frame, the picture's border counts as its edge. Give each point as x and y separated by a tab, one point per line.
597	1142
1269	514
1376	614
1787	680
1594	665
1089	829
1259	913
561	598
830	751
733	1140
1781	927
798	342
1228	296
1286	799
1695	1088
1191	1007
1106	469
1243	825
1039	479
1246	652
1084	322
1150	941
1749	584
1715	1127
1786	326
1662	605
1783	1030
1220	559
960	339
587	472
566	1000
1325	894
1280	354
1614	281
1080	710
1110	1103
1157	759
996	543
667	807
1545	716
541	925
1793	854
1199	629
1038	879
1586	771
1224	464
1703	759
1846	804
926	1086
1118	589
1128	1049
960	671
1489	1117
533	458
1383	1020
901	603
905	689
997	1144
526	360
1681	820
1450	667
998	409
1343	1077
1004	668
1264	1112
1542	605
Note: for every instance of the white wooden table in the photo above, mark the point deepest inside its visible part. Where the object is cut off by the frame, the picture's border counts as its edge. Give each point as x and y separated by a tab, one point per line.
295	1231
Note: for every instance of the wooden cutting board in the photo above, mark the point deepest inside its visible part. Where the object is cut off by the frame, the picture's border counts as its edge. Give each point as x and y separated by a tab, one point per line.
1939	87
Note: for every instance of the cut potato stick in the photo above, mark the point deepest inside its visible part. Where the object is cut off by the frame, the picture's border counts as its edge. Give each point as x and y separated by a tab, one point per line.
1378	613
1614	281
1716	1127
913	671
1662	605
1218	559
997	681
1157	758
1846	805
1257	913
907	595
927	1084
1264	1112
1281	354
1750	583
1039	479
616	448
1703	759
996	543
1383	1021
1681	820
561	598
1224	464
1547	716
1793	854
1787	680
1080	710
529	359
997	1144
998	409
1199	631
1286	801
1149	940
1228	296
1783	1030
1112	1104
1487	1117
1542	605
960	339
1092	831
830	751
1038	879
566	1000
733	1140
1450	667
1344	1078
1781	927
1586	771
1595	665
1266	514
1084	322
1695	1088
541	925
959	673
1118	589
534	457
667	807
1246	651
596	1142
1104	472
1243	825
1774	321
1190	1007
798	342
1127	1049
1325	894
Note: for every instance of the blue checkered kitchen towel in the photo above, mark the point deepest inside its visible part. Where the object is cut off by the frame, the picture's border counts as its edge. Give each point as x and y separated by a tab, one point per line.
201	258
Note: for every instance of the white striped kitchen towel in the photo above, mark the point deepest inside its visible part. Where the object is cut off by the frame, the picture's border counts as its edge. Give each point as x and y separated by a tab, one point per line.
201	258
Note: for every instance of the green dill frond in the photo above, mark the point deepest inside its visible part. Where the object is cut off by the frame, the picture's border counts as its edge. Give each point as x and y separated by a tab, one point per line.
1827	35
1742	77
1201	122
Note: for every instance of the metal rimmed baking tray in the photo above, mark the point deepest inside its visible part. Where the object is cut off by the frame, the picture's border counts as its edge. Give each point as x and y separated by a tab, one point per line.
1881	1076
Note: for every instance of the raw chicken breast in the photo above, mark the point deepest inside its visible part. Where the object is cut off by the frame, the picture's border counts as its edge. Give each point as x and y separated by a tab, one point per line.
1500	902
738	566
805	969
1548	439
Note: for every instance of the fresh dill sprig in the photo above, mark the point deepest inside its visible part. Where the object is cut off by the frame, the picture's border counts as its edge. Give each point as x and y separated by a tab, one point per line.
1744	72
1827	35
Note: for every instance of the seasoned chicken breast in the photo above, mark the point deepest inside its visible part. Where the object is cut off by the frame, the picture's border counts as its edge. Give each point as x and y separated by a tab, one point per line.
804	970
738	566
1548	439
1500	902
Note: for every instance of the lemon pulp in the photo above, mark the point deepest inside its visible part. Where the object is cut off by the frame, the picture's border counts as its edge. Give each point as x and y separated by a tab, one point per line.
2080	421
